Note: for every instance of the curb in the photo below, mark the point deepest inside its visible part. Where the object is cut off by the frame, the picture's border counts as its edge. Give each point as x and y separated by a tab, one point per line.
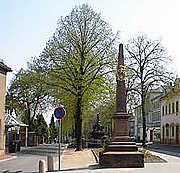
13	157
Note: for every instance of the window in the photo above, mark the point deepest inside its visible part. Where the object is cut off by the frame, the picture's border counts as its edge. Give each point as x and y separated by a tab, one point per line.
169	108
177	108
167	130
172	107
172	130
163	111
166	109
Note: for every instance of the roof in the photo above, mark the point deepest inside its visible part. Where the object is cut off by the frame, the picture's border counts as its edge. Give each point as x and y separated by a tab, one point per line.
4	68
173	91
171	94
11	121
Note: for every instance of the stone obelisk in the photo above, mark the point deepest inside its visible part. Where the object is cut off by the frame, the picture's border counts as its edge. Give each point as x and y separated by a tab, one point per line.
121	152
120	119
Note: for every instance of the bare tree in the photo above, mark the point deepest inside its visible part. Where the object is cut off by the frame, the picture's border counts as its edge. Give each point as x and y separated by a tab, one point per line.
146	60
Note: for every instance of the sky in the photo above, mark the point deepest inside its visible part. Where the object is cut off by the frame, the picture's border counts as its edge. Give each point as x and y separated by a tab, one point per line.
26	26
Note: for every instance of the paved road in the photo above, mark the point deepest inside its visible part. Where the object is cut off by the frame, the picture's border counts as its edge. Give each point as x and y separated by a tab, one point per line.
173	150
28	162
21	163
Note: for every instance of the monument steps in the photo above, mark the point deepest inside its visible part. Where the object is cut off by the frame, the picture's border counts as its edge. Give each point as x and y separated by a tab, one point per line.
122	143
121	148
121	139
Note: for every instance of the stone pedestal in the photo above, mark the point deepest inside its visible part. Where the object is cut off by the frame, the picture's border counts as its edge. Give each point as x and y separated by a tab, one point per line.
121	152
120	121
117	159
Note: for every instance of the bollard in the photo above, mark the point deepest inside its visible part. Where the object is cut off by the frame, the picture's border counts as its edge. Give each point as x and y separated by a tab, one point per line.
42	168
50	163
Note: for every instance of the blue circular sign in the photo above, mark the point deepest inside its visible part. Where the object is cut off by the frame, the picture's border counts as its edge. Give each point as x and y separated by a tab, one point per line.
60	112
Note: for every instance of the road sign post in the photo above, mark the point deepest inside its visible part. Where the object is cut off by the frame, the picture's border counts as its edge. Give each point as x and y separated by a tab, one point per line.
59	143
59	113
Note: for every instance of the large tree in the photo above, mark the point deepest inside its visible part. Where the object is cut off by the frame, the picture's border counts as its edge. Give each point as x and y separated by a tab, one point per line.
78	60
147	61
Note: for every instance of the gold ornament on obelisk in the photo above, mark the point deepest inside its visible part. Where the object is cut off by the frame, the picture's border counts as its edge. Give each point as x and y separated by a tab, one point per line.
121	73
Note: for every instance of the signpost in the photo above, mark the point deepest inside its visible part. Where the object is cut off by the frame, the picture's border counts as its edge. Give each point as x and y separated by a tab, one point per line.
59	113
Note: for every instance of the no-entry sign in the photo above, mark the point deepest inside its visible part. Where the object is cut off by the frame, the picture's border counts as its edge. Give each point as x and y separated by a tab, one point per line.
59	112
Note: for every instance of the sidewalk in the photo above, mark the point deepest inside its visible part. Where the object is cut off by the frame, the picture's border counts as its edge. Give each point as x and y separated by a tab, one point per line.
79	160
84	161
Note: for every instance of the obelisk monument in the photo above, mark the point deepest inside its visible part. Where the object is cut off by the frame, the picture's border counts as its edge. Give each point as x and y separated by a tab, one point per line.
121	117
121	152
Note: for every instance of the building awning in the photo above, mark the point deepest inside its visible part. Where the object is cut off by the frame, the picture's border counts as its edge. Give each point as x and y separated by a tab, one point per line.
11	121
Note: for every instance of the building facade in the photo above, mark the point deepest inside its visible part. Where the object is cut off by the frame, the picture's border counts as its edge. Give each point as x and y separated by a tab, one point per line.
3	71
170	114
153	117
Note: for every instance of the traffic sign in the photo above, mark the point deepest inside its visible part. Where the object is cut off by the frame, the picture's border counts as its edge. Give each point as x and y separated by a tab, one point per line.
60	112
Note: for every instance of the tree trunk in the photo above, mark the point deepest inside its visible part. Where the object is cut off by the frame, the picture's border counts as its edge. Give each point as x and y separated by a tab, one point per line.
28	112
30	121
78	125
144	120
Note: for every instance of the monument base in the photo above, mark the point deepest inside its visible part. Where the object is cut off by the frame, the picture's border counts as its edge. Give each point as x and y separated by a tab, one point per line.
121	152
121	160
121	155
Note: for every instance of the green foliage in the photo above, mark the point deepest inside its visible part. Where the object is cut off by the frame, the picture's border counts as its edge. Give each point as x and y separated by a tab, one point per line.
52	129
27	95
75	69
145	152
41	126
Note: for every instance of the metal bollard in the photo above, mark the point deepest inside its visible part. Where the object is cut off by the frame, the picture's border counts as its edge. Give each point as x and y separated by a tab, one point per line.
42	168
50	163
